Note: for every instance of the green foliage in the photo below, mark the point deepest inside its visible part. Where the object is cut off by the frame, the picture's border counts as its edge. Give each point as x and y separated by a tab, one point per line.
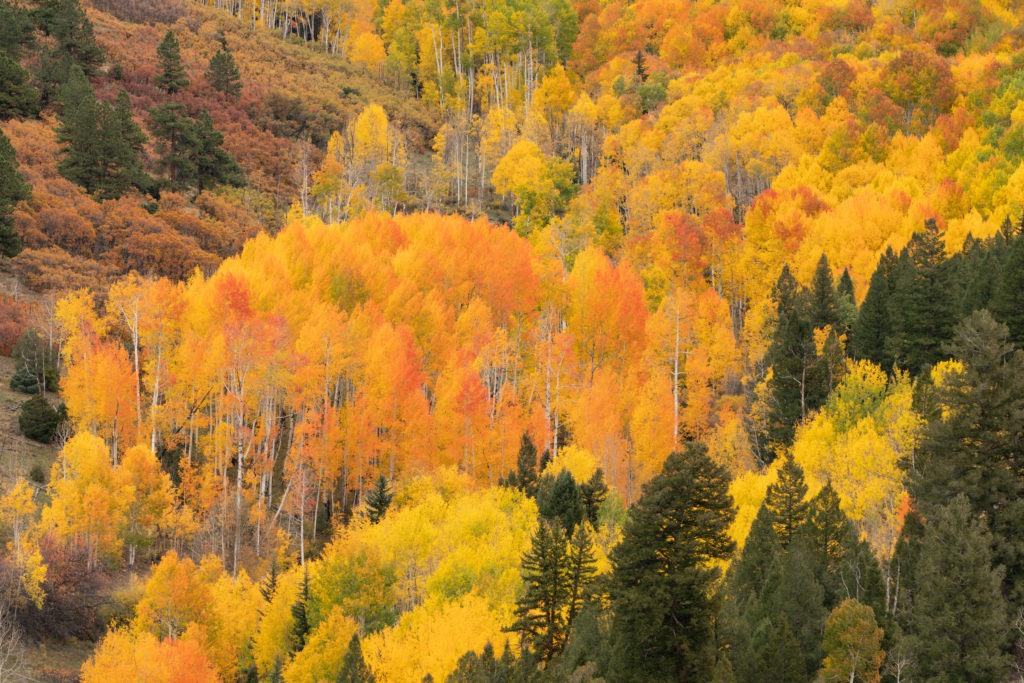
17	97
959	623
593	493
540	618
524	477
561	501
663	573
67	24
981	411
13	189
172	76
379	500
189	152
38	419
873	327
852	644
100	143
300	616
223	73
785	501
353	668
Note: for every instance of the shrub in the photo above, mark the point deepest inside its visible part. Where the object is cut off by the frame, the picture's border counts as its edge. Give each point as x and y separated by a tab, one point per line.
38	420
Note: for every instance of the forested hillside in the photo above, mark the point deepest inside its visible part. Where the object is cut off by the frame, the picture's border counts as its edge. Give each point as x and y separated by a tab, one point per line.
538	340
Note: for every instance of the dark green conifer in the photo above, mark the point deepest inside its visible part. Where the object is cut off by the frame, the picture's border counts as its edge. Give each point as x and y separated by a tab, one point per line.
300	616
213	165
38	419
540	618
664	570
563	502
223	73
13	189
593	493
960	620
1008	298
353	667
824	303
172	76
379	500
176	142
17	97
921	310
785	501
870	334
67	23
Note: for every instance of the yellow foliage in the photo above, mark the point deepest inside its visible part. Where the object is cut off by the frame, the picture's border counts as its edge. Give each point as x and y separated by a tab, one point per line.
321	659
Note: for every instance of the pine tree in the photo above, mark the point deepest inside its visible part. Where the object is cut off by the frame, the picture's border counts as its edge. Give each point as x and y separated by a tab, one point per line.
16	29
960	620
972	446
1008	299
223	73
525	476
844	288
17	97
824	303
213	166
785	500
176	142
664	570
793	595
540	612
68	24
13	189
300	616
172	76
563	502
847	303
353	667
747	574
379	500
921	307
593	494
582	569
792	356
269	585
872	329
38	419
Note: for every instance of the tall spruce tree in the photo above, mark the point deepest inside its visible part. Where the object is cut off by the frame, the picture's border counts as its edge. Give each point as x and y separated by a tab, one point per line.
1008	298
582	569
792	356
13	189
869	338
223	74
379	500
300	615
172	76
17	96
524	477
921	308
959	620
664	570
824	302
67	23
353	666
562	502
593	493
972	446
540	614
176	140
785	501
213	165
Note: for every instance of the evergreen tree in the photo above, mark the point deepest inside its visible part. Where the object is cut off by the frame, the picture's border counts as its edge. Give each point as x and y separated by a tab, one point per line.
664	570
176	141
524	477
353	667
972	447
843	564
17	97
300	616
785	501
540	613
844	288
379	500
824	303
563	502
16	30
775	655
582	568
747	574
52	74
794	596
921	310
213	166
38	419
68	24
269	585
871	331
13	189
792	356
847	303
172	76
959	617
223	73
1008	298
593	494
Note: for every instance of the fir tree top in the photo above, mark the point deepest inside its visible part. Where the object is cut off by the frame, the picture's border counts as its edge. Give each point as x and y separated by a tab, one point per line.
172	76
379	500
